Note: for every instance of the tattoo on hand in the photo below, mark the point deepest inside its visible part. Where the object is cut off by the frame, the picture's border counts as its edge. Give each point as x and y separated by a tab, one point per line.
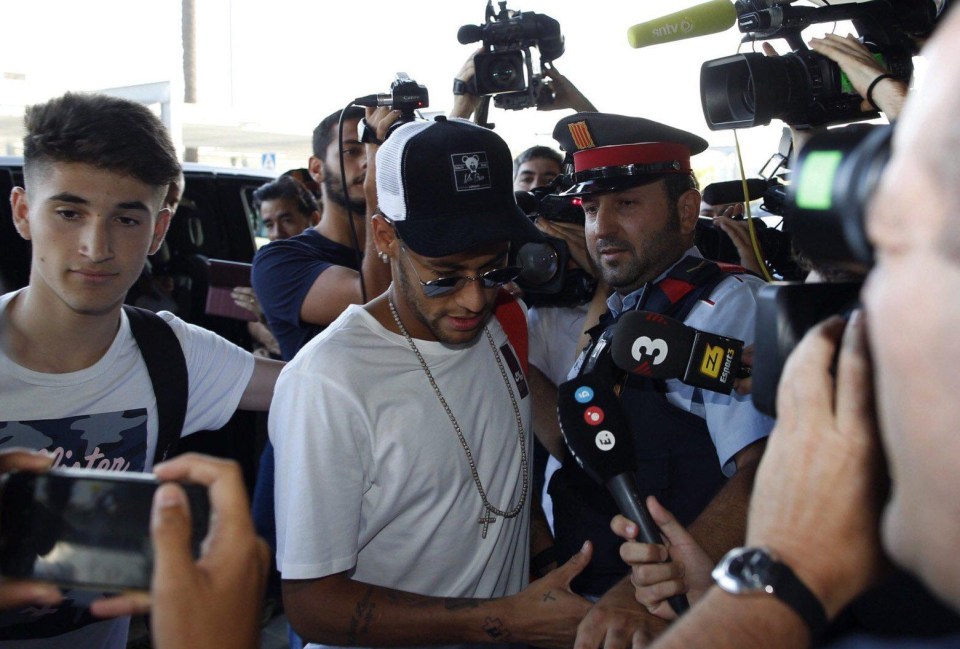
548	596
494	628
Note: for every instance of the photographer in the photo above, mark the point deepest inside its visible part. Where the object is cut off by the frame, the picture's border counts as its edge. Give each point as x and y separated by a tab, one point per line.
830	515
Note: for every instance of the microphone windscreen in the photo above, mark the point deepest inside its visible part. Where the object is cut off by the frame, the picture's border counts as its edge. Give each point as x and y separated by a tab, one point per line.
594	426
469	34
731	191
651	344
703	19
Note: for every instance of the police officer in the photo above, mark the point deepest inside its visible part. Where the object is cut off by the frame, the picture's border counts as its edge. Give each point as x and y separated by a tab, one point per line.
696	450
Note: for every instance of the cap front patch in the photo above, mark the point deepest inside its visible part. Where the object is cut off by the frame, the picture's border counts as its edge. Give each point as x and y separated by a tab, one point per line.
471	171
582	137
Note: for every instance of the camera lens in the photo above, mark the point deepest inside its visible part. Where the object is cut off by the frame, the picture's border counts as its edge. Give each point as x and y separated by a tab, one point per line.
747	90
539	262
503	73
499	72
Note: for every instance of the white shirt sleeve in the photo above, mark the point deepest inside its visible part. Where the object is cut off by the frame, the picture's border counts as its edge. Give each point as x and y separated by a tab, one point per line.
733	421
323	458
218	373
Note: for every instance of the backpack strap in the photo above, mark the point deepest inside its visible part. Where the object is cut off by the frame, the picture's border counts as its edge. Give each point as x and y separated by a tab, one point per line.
510	314
167	368
691	280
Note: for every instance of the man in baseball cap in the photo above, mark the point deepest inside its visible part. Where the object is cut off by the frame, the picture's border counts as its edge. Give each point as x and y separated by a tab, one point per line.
402	432
696	451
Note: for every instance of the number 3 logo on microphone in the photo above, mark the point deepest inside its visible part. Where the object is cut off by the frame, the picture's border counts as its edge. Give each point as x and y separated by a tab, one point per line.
654	348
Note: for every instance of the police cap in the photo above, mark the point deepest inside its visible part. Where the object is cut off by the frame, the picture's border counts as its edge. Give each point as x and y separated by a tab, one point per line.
612	152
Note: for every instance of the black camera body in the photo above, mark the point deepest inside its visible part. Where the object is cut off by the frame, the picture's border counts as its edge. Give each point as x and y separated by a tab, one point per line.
547	278
504	70
804	88
406	96
837	173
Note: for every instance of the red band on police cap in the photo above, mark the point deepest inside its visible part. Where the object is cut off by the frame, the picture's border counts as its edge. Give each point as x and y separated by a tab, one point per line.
626	154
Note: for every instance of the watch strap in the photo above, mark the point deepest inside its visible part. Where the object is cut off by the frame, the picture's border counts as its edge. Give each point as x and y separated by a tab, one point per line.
789	589
753	570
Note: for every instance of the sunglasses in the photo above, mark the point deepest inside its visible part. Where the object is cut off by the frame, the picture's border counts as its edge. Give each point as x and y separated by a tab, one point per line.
446	285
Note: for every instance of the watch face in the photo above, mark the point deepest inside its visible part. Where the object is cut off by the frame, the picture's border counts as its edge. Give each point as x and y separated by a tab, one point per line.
746	570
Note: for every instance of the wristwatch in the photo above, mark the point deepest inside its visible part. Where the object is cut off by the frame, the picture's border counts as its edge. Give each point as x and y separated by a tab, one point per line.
745	571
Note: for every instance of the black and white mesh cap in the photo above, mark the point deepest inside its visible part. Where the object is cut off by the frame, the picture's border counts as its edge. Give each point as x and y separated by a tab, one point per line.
447	185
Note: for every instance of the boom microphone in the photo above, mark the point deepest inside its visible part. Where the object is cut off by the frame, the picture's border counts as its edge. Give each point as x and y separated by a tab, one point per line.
731	191
703	19
594	426
653	345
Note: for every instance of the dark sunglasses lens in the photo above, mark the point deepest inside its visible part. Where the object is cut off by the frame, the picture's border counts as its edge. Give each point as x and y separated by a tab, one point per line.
500	276
442	286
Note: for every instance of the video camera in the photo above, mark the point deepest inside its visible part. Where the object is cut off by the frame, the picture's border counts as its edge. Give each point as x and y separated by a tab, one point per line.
836	174
546	279
406	96
504	69
775	243
805	88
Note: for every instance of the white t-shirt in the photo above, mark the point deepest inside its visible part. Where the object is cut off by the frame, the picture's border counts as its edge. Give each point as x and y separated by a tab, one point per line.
105	416
371	477
554	334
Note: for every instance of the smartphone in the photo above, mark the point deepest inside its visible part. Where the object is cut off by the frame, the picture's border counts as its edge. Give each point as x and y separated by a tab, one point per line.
85	529
222	276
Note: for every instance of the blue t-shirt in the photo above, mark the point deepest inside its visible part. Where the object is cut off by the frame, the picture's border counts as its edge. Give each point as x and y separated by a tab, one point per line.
283	272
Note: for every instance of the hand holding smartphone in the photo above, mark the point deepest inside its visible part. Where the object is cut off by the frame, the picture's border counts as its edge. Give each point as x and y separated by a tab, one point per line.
82	528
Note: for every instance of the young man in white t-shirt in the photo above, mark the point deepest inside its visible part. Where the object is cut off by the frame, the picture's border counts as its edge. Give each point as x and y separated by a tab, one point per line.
72	378
402	431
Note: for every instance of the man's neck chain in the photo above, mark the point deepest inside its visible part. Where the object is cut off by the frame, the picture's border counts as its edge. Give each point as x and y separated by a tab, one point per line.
489	512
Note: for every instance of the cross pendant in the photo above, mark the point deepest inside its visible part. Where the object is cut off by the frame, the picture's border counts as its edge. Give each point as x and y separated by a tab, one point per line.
485	519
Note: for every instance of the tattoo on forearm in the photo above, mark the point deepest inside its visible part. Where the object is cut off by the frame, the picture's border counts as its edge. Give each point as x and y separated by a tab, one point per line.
548	596
495	629
460	603
362	616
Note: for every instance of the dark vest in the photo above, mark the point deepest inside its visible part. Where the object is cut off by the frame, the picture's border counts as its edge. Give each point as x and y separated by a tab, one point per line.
675	457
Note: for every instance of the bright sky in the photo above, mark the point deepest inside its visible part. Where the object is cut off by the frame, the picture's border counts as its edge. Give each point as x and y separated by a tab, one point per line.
290	62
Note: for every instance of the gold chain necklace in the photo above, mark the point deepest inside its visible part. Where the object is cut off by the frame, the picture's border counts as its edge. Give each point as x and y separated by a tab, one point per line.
489	513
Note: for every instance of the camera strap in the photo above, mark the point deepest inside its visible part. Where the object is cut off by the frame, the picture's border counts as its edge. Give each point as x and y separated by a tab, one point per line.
167	368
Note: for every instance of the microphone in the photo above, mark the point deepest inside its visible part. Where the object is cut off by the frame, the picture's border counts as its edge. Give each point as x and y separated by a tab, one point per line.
703	19
653	345
374	101
469	34
731	191
594	427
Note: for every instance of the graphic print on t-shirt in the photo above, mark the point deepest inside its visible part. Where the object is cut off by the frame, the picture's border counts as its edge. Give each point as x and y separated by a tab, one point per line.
114	441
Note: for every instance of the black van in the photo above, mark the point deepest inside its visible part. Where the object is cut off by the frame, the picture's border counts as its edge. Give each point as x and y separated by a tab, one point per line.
215	220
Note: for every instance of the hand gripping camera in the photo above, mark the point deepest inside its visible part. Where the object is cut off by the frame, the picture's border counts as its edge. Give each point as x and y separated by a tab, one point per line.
505	68
804	88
